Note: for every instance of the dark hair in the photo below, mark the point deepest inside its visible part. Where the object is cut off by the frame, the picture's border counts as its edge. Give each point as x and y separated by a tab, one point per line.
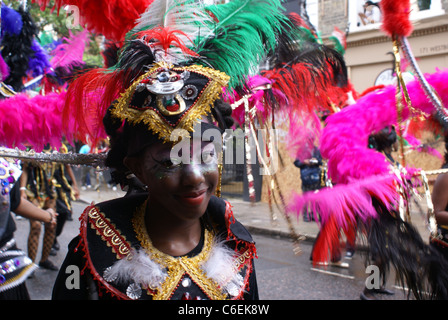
383	139
371	3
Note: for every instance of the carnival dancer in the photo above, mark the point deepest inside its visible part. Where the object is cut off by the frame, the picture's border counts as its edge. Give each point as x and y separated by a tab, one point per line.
36	186
386	142
440	202
15	265
177	240
66	192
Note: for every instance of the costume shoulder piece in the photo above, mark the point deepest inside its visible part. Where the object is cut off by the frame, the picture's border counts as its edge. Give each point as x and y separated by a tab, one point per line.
124	264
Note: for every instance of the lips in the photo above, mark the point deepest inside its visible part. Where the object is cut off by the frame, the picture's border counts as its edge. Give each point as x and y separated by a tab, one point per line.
192	198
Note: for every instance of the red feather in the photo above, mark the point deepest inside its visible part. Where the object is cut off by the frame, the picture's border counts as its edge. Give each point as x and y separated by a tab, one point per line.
327	242
165	38
88	98
306	87
112	18
396	17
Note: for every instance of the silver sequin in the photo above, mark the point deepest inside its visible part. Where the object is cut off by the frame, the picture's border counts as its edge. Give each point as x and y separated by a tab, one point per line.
186	282
134	291
107	276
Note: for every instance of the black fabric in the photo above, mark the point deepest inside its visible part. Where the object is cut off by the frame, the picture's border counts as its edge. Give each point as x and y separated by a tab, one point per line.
120	213
10	227
310	174
19	292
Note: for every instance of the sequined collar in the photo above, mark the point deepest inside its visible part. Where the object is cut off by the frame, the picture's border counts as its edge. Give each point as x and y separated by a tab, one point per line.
177	267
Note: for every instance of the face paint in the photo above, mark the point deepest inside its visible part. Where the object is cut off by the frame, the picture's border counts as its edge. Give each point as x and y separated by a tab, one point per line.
184	189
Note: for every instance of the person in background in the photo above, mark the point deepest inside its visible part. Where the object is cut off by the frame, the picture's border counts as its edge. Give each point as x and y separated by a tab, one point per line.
36	187
15	264
371	13
310	174
440	202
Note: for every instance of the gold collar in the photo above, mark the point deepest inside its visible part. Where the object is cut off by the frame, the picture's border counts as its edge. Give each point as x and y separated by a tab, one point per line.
177	267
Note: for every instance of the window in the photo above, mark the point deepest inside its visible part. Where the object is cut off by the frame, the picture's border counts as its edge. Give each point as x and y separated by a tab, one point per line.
363	14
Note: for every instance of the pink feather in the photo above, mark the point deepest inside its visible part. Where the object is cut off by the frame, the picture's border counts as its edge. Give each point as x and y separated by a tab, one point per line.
347	202
33	121
344	140
71	51
303	134
4	69
360	173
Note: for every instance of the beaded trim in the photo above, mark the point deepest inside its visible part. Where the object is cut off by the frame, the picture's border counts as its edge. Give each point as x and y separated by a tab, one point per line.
154	120
108	233
177	267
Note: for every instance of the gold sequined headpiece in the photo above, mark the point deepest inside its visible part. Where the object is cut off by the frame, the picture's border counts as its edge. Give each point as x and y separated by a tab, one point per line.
169	97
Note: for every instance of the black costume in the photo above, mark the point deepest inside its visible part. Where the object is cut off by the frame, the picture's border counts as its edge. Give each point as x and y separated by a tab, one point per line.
15	266
110	235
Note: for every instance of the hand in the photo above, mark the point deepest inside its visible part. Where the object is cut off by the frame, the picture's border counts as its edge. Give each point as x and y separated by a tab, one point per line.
76	192
53	216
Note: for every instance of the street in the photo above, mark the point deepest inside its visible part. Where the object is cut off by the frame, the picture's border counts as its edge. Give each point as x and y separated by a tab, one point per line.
281	274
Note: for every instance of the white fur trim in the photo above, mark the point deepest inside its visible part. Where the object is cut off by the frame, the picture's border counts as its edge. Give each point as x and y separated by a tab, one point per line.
138	268
221	267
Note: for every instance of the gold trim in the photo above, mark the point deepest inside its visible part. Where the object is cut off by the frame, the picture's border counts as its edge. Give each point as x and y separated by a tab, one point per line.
154	121
108	232
177	267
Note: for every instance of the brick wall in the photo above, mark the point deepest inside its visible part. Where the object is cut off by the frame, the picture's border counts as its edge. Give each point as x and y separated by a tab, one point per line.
332	13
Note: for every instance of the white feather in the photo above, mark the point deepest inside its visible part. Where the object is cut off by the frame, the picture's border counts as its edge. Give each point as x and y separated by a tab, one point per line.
138	268
221	267
184	15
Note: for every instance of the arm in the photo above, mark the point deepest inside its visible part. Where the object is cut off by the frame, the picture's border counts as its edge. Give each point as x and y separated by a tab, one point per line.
28	210
22	180
440	199
69	170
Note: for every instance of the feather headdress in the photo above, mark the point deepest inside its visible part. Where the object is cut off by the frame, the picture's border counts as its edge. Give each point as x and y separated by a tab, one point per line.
201	42
35	121
309	73
17	46
110	18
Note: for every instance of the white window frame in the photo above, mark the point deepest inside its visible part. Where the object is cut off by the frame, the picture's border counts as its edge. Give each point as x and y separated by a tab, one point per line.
355	6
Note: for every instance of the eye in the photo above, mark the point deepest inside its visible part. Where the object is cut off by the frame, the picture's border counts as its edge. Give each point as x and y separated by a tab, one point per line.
171	163
189	92
209	154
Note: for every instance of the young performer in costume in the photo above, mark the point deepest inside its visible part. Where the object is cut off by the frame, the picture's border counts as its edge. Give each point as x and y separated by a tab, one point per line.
176	240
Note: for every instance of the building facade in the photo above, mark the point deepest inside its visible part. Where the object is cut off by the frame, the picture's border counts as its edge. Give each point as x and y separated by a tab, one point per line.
368	55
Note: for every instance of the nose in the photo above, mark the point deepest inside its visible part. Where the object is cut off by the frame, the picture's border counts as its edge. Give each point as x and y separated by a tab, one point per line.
192	175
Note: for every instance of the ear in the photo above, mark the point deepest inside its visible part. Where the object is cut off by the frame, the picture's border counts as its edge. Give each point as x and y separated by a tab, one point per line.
134	164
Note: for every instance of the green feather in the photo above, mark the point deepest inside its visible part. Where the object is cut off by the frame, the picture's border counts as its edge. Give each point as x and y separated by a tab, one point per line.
245	32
